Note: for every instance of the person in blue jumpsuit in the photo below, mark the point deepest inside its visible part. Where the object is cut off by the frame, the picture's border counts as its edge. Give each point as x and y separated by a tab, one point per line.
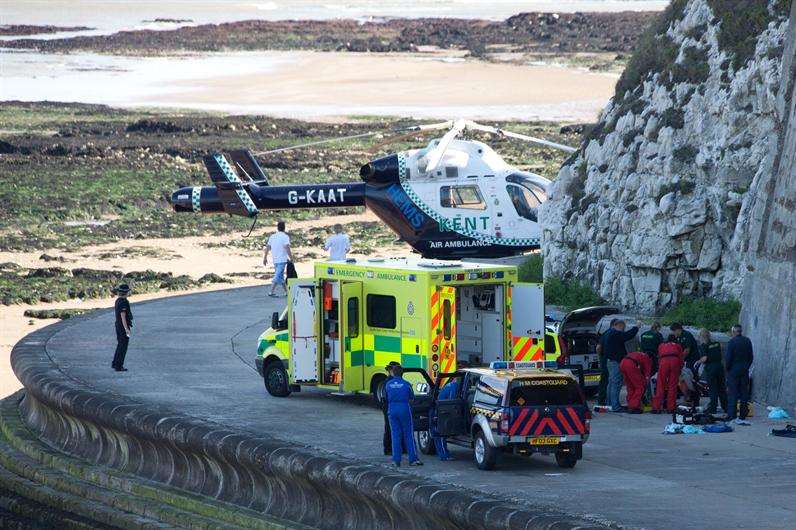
399	394
449	391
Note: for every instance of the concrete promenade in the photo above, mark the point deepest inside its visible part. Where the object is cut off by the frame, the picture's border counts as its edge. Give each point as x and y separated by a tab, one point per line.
194	354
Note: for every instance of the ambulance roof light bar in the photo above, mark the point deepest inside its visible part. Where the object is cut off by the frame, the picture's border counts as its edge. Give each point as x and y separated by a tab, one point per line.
516	365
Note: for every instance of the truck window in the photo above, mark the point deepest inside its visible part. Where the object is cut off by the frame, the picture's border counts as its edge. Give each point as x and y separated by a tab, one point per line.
446	319
544	391
487	395
468	197
352	318
381	311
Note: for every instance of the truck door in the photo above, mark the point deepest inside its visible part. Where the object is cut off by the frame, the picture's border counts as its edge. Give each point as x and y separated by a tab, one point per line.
527	325
351	327
443	328
452	411
303	331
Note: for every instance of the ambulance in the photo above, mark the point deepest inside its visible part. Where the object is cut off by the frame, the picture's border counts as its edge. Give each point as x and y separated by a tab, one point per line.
345	324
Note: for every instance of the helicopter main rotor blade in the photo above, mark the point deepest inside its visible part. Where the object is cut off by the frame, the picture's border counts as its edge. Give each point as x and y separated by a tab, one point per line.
435	156
318	142
518	136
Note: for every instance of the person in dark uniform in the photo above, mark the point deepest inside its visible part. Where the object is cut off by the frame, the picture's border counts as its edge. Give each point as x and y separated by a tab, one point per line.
614	349
649	342
713	371
602	389
737	362
124	325
689	344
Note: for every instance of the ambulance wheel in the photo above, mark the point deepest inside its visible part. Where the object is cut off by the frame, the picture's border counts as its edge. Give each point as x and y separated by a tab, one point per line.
566	459
426	443
484	454
276	379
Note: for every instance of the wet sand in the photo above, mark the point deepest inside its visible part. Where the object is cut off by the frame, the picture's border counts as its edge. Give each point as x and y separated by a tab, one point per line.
427	86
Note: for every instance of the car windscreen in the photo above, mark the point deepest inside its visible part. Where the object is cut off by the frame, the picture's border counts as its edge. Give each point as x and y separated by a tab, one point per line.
544	391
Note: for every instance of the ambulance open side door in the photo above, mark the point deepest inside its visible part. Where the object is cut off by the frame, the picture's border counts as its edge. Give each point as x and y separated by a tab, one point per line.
303	326
351	310
527	326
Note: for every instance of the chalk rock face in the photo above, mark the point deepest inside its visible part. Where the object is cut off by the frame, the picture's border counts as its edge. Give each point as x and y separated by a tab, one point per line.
768	239
656	205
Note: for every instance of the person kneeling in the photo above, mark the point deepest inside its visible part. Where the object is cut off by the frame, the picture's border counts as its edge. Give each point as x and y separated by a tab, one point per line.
636	369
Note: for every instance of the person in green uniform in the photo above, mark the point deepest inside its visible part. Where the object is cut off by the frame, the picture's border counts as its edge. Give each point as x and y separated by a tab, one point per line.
690	346
649	342
713	371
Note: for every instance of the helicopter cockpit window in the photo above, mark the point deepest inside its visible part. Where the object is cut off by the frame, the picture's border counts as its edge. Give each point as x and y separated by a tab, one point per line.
468	197
524	200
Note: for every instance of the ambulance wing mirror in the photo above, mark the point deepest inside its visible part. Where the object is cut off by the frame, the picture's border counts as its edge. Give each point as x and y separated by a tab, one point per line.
275	320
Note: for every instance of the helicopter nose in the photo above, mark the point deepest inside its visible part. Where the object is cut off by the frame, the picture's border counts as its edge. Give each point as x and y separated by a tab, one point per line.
367	171
381	170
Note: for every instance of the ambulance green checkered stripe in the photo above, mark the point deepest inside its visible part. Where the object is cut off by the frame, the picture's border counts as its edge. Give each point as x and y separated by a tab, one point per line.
389	344
282	336
402	173
367	358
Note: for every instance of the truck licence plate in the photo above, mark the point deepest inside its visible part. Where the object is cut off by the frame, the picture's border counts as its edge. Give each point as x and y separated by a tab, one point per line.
545	440
592	378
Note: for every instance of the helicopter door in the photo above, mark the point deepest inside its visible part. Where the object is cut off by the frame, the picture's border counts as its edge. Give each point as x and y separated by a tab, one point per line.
351	328
527	326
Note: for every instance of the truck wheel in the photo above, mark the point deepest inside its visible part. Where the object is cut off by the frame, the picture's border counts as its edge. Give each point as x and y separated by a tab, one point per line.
566	459
276	379
426	443
484	454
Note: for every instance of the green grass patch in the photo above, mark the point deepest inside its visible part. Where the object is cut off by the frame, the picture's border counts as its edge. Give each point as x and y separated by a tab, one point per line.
530	270
715	315
655	51
54	284
742	22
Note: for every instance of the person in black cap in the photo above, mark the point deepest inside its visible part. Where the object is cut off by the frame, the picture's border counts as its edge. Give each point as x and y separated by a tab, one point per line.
383	403
124	324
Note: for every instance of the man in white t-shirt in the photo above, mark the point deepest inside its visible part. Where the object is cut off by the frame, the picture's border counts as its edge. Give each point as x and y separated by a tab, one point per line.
279	246
338	244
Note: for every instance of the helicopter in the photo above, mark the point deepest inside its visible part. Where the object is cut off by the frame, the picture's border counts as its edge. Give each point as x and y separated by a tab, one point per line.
452	199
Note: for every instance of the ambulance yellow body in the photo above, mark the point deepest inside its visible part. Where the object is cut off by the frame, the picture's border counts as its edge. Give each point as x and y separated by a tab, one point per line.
345	324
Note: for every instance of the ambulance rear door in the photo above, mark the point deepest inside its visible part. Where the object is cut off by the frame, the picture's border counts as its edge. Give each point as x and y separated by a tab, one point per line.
351	311
303	327
527	325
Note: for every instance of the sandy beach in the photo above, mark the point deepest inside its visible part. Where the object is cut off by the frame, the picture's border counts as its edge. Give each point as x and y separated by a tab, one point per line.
401	84
305	84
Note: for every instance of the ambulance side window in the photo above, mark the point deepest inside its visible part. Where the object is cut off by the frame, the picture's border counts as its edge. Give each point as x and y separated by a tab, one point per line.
381	311
446	319
352	317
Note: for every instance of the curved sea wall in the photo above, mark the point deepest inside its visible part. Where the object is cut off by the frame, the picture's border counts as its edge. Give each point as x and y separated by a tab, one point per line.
262	473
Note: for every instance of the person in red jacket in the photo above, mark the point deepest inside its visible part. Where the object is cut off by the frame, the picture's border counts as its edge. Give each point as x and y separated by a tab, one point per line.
636	369
670	363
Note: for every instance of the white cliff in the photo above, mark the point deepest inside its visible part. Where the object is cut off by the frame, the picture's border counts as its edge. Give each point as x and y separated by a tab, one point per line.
658	202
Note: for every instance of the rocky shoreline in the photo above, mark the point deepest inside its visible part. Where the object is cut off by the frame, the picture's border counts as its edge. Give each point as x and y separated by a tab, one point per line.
525	33
29	29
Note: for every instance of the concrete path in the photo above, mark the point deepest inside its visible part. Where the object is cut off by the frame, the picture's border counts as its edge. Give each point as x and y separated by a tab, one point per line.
195	354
